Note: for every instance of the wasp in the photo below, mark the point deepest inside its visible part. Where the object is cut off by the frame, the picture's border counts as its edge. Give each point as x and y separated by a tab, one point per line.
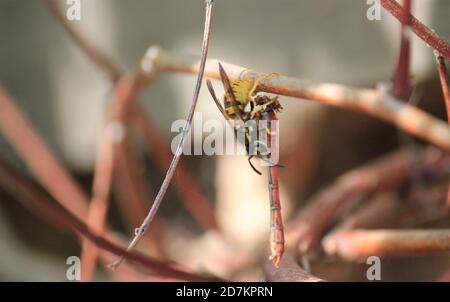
243	103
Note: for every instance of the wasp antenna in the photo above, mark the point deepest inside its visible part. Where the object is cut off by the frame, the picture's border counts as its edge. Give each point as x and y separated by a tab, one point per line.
226	82
213	94
251	165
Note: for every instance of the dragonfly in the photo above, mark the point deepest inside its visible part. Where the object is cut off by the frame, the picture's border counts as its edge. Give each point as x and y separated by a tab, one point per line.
255	126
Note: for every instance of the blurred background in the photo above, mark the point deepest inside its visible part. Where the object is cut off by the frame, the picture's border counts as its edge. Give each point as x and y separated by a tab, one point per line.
66	96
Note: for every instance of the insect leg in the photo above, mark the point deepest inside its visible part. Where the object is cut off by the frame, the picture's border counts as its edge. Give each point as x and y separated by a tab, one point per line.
251	164
258	81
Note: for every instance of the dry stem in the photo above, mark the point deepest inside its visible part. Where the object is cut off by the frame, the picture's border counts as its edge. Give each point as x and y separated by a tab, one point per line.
173	165
377	103
359	244
422	31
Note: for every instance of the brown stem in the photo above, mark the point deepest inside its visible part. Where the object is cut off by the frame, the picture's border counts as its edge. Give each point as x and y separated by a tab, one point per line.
401	85
372	102
201	209
442	71
112	134
422	31
173	165
360	244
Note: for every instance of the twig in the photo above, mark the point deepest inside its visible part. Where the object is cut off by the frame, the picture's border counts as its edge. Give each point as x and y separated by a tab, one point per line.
133	193
372	102
93	53
442	71
98	206
29	194
359	244
201	208
385	174
112	134
187	188
422	31
288	271
173	165
401	84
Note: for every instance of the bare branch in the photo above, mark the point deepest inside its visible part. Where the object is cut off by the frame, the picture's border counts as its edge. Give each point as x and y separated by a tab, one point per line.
173	165
442	71
422	31
376	103
359	244
401	84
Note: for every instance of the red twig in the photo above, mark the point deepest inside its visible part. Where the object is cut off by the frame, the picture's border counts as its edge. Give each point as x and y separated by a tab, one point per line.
112	134
442	71
173	165
401	84
422	31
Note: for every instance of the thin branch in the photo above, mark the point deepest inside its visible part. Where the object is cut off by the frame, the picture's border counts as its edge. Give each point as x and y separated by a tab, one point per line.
27	193
359	244
288	271
173	165
422	31
112	135
98	207
442	71
401	84
375	103
92	52
196	202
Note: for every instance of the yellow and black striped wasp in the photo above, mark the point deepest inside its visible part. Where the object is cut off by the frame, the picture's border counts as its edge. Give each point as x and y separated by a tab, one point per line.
242	103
